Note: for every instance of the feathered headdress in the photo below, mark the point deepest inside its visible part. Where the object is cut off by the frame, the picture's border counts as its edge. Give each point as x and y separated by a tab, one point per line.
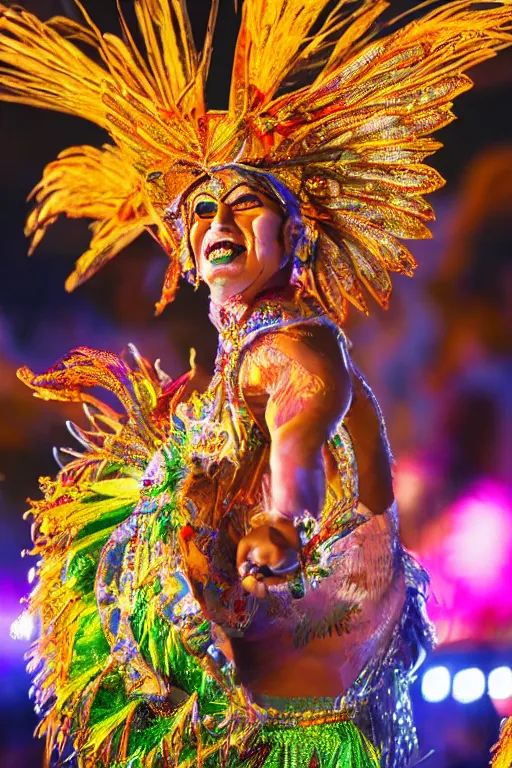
350	145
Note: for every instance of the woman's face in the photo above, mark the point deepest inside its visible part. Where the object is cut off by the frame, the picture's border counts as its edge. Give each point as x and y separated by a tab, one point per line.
236	237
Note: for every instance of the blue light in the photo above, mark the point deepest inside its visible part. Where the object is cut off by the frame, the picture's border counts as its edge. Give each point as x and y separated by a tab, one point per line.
435	685
499	683
468	685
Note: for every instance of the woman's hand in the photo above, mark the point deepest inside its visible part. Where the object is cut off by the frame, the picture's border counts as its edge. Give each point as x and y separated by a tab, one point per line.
267	555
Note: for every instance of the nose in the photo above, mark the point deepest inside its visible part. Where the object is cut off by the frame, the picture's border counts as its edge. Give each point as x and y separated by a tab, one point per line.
223	221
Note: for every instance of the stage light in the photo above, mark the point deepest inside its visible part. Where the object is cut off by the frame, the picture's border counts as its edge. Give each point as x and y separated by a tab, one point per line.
468	685
435	685
499	683
23	627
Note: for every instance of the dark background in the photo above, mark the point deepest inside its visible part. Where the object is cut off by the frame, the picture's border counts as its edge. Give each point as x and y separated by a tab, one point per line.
408	355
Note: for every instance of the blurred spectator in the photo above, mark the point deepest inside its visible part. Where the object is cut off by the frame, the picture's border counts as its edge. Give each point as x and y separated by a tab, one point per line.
473	291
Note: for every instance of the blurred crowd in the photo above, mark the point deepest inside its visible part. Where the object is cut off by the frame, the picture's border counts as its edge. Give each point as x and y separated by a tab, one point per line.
442	366
441	363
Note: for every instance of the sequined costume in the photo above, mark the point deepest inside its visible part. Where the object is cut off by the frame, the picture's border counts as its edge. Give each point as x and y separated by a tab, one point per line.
186	519
138	589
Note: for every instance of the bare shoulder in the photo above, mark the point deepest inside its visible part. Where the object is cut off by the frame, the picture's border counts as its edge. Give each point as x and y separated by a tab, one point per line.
316	348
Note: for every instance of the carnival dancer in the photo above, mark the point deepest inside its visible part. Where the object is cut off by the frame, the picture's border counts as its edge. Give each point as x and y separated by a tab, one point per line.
220	578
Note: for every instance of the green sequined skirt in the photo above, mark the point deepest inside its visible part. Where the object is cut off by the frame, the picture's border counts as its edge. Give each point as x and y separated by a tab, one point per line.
313	738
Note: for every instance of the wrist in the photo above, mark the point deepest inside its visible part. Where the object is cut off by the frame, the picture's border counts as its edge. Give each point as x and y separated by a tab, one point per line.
275	516
304	525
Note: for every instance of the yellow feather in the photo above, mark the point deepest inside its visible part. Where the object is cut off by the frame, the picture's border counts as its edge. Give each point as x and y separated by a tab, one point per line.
374	97
502	752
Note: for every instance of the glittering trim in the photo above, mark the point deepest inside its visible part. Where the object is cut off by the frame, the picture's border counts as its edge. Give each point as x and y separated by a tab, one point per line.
302	719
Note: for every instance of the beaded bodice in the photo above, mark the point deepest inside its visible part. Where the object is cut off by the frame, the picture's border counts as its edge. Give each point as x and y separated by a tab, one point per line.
223	435
229	455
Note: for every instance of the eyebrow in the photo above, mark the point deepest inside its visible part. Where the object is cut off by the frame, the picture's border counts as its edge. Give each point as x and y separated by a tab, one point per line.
205	194
244	196
261	194
234	190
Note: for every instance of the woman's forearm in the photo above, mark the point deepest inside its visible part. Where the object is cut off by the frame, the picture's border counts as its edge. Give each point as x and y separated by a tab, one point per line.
297	471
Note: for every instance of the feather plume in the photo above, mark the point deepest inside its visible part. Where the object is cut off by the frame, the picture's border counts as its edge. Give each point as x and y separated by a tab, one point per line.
356	137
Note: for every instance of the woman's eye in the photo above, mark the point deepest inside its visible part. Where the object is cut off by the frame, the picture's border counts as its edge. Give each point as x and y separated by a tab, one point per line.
245	202
206	209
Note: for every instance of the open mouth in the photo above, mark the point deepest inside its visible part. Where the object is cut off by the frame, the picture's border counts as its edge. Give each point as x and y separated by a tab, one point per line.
224	252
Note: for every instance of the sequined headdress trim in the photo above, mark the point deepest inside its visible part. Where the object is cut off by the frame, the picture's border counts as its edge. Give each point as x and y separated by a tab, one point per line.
350	145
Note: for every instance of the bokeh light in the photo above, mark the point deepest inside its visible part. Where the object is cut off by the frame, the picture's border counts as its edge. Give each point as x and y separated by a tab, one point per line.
436	684
499	683
23	627
468	685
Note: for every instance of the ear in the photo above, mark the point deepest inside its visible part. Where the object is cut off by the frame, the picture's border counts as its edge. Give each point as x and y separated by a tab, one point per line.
292	233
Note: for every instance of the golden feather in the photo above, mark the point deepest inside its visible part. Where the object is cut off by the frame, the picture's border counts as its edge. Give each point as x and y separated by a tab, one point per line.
351	145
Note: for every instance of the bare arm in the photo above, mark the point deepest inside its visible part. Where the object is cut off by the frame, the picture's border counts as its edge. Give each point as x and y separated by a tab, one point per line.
306	384
307	395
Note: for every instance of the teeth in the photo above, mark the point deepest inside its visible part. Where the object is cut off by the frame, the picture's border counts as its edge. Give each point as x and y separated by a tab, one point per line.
221	252
225	253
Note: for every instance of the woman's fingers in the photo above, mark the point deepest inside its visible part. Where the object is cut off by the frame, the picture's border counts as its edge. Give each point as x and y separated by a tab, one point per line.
256	577
255	587
242	552
266	544
264	557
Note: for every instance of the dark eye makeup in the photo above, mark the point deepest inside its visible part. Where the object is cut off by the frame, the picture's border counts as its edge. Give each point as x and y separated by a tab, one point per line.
248	200
206	208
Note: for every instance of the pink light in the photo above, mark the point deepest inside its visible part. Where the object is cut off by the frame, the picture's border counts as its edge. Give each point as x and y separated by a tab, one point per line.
467	552
480	544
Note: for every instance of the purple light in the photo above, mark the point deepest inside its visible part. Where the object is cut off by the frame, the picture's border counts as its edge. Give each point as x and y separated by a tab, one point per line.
467	552
11	621
480	543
